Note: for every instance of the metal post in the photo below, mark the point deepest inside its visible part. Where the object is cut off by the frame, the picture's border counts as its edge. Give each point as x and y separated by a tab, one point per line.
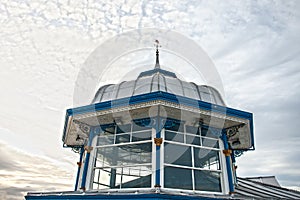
79	167
227	153
158	142
88	150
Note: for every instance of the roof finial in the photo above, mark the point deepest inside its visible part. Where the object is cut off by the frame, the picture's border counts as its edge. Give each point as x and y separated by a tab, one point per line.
157	66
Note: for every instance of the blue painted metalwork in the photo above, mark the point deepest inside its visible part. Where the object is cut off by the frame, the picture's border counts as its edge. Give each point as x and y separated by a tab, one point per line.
157	148
115	197
87	158
79	167
228	162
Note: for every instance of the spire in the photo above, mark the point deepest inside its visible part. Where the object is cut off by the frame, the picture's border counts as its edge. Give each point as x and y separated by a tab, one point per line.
157	66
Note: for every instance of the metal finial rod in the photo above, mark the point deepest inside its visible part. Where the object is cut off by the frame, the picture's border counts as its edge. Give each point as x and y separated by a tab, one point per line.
157	54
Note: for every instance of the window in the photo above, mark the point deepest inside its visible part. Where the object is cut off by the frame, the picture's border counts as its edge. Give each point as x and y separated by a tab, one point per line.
123	157
191	157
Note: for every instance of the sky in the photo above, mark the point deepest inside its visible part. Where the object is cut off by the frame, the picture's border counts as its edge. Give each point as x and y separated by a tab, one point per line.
254	46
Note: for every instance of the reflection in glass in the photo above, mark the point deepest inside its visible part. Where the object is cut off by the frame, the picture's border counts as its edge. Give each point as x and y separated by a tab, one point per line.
206	159
178	154
207	181
178	178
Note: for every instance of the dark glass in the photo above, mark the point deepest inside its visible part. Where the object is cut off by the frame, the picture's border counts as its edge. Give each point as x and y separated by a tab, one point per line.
178	178
122	138
124	128
172	136
178	154
191	139
173	125
210	143
140	136
208	159
207	181
139	126
192	130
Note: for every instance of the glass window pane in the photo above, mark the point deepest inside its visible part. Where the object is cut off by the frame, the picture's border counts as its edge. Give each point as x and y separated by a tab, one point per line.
207	142
105	139
124	128
124	155
173	136
122	177
122	138
178	154
173	125
192	130
136	177
178	178
140	126
206	159
192	139
140	136
207	181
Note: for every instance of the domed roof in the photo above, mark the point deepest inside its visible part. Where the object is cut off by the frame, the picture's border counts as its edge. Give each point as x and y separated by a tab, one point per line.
155	80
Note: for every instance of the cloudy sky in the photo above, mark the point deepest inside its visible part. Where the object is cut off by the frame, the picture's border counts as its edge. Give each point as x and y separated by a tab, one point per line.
43	44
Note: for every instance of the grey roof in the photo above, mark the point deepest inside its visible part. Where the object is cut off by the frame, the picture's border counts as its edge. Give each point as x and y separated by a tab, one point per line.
154	80
254	189
271	180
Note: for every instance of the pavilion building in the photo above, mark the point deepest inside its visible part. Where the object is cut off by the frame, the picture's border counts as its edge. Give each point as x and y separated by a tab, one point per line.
159	137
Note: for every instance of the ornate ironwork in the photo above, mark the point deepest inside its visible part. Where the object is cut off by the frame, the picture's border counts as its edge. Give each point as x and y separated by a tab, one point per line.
238	153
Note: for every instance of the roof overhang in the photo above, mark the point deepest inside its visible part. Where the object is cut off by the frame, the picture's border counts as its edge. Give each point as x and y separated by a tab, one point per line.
237	124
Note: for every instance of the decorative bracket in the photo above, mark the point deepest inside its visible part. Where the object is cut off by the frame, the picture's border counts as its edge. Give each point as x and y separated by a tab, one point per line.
88	149
79	164
158	141
227	152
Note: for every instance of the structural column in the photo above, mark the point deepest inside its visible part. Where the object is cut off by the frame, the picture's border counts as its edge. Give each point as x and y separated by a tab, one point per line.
227	152
79	167
88	150
158	141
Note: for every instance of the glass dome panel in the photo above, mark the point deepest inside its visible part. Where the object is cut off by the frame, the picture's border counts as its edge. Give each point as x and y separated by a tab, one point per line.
154	83
142	85
125	89
107	94
162	83
174	86
190	90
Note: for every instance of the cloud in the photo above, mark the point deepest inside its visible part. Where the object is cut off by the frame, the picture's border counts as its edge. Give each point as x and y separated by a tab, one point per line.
24	172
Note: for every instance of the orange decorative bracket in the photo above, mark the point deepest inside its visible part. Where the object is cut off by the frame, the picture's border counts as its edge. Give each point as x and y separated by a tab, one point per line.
158	141
227	152
88	149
